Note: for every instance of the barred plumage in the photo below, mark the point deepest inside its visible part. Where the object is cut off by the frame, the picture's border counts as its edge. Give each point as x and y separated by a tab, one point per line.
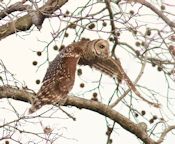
60	75
113	68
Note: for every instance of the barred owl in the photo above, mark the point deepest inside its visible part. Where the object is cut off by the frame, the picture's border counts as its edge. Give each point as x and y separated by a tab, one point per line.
60	75
113	68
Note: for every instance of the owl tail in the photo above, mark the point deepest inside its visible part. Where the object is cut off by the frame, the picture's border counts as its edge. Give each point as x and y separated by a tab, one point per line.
35	106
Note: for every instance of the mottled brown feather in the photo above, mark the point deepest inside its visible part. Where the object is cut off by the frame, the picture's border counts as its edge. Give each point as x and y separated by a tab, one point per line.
60	75
113	68
58	80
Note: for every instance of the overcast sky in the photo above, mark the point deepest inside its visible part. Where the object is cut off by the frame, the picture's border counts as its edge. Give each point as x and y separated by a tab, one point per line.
17	53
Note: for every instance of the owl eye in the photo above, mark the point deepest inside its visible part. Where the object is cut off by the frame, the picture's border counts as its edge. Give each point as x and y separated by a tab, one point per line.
102	46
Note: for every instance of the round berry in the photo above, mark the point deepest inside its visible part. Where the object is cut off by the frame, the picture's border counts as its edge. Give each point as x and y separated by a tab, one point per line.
37	81
66	34
136	114
137	53
143	112
82	85
153	64
39	53
104	24
148	32
137	44
131	12
55	47
159	68
72	25
91	26
79	72
154	117
151	121
111	39
34	63
7	142
94	94
162	7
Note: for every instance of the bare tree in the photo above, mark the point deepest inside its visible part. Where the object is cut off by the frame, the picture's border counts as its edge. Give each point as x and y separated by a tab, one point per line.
141	29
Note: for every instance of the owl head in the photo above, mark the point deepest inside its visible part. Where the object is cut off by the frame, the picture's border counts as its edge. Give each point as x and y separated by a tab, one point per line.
100	48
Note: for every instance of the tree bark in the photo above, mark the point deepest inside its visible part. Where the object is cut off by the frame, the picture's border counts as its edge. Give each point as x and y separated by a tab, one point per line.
25	22
25	96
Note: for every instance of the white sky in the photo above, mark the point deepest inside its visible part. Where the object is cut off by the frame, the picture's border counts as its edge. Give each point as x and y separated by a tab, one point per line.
17	55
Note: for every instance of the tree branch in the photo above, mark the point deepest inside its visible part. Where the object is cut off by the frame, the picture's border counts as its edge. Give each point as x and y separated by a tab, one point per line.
113	27
23	95
165	132
18	6
158	12
25	22
15	93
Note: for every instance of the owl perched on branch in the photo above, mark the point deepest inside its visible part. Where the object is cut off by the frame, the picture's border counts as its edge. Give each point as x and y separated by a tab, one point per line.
60	75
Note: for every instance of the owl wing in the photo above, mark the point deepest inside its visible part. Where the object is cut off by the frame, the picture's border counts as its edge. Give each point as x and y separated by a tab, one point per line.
54	69
50	91
58	80
60	73
113	68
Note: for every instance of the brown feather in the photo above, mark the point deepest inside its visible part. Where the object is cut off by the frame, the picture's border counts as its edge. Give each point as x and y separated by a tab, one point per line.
113	68
59	79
